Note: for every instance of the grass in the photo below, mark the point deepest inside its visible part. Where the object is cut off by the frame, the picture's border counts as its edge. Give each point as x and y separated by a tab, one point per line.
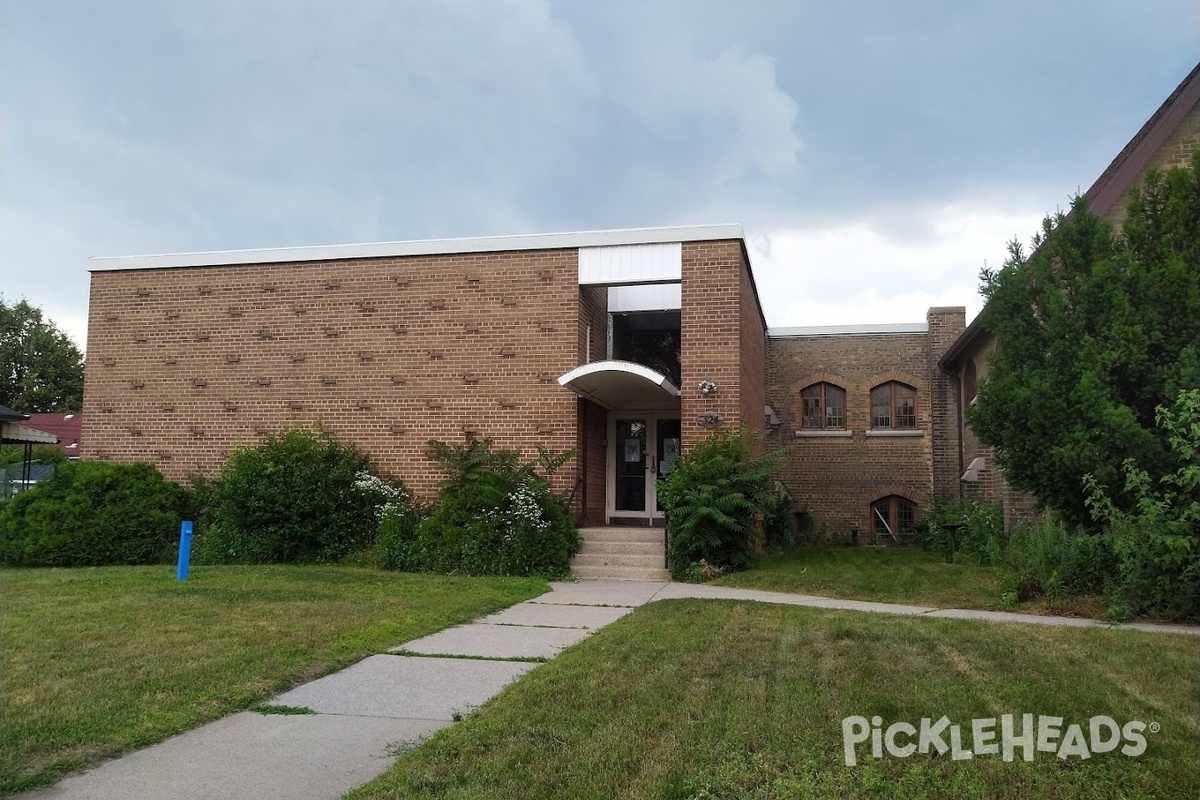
893	575
707	699
100	661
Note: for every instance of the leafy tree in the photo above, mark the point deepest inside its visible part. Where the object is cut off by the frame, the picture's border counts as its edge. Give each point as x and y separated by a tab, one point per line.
1157	545
1095	330
42	454
41	369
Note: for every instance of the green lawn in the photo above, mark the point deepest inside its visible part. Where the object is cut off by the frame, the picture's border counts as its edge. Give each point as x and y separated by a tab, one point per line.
707	699
100	661
892	575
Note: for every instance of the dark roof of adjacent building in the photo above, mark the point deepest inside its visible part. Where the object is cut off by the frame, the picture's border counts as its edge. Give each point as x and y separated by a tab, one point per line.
9	414
1135	157
67	427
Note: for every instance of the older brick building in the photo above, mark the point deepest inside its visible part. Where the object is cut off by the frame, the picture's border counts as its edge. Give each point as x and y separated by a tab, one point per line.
869	421
1168	139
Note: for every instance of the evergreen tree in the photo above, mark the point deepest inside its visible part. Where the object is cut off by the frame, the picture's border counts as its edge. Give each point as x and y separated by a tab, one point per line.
1095	330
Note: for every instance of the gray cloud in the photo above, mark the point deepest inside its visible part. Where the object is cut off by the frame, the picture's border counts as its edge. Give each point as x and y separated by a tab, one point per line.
151	126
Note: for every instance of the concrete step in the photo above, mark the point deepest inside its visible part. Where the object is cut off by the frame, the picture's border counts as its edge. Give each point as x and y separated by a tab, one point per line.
621	548
622	574
617	560
623	534
621	553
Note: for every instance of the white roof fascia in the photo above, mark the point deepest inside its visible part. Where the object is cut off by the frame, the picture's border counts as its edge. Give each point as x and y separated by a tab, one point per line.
850	330
483	244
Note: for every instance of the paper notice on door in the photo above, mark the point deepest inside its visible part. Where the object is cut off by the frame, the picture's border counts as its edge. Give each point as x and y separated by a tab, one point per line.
670	455
633	450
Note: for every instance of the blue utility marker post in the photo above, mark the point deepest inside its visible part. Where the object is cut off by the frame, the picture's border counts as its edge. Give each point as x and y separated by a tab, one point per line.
185	549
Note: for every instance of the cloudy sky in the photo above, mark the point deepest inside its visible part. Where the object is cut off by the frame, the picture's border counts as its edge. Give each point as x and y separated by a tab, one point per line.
877	152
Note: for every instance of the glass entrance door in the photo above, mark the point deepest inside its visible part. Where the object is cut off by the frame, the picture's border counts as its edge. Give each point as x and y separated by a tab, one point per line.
631	466
667	433
646	447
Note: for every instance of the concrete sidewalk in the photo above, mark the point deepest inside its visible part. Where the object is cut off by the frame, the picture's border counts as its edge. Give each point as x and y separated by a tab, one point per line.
367	713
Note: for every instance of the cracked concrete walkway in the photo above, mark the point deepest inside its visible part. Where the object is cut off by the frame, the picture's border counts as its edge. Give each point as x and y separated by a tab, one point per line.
367	713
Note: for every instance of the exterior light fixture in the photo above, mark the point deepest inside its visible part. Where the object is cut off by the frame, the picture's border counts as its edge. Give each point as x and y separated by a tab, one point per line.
707	388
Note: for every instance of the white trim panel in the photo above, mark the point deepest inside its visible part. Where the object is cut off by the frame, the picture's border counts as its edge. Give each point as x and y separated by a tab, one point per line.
630	263
645	297
419	247
849	330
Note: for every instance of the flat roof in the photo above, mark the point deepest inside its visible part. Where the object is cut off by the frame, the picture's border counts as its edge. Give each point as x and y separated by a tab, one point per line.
850	330
421	247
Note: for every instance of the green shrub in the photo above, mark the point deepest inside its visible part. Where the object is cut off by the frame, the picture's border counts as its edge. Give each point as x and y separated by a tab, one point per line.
93	513
398	525
1157	546
715	498
1049	560
300	496
777	518
970	532
495	516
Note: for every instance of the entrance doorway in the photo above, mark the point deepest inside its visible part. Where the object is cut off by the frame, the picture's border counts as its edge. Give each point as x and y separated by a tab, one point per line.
642	448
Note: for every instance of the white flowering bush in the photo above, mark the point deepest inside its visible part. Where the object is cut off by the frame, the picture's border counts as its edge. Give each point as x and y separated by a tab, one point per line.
386	497
496	516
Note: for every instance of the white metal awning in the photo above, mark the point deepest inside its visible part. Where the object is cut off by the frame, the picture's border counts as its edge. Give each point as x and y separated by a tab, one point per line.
620	384
11	433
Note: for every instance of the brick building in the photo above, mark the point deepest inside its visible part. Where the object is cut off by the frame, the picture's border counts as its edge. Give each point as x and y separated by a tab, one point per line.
626	346
869	423
525	340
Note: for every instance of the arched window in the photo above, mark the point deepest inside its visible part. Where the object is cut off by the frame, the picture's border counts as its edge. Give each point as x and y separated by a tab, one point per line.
893	517
824	407
894	406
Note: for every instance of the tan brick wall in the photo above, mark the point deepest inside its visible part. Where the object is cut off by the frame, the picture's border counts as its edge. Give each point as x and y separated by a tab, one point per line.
185	364
593	311
593	419
989	485
1175	152
712	322
593	447
946	324
753	355
836	478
